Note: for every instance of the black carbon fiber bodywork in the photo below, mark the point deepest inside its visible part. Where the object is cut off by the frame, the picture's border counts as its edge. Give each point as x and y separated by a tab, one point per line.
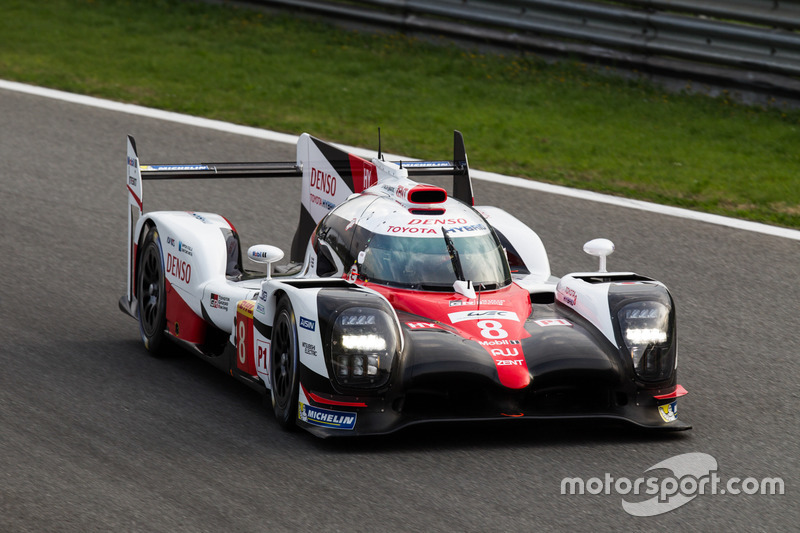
440	376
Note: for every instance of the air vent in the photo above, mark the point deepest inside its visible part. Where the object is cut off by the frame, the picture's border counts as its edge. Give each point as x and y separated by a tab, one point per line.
426	211
427	194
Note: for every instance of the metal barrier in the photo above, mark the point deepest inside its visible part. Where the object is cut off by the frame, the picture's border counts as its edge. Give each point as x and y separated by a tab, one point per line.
751	42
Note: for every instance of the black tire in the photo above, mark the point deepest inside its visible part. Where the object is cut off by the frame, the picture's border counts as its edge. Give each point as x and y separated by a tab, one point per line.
151	294
284	365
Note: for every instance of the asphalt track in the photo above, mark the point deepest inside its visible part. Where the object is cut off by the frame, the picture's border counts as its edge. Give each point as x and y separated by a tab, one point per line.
95	435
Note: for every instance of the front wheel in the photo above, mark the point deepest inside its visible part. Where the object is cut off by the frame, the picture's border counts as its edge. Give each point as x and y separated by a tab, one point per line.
284	365
151	294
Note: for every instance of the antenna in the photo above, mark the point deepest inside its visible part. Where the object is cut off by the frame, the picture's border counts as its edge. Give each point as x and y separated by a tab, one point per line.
380	153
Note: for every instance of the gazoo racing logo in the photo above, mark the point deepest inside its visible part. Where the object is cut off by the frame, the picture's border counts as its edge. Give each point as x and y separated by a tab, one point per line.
179	268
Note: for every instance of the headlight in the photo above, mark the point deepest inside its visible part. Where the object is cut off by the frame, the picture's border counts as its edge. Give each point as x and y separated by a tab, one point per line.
647	333
363	344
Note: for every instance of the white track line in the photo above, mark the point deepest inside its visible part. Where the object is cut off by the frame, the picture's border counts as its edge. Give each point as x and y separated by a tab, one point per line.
477	174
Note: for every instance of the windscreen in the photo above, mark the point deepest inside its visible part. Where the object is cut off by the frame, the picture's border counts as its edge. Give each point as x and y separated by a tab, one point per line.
425	263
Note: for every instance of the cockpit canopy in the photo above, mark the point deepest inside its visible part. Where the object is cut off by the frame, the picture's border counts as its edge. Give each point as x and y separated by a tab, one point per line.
394	246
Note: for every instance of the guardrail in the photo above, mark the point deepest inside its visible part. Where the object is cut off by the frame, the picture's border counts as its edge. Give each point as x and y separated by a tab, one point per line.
746	42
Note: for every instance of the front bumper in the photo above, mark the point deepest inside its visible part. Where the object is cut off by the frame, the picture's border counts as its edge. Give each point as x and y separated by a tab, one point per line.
329	417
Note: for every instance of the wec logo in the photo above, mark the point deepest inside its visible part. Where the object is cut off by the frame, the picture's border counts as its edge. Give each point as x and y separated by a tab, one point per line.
498	314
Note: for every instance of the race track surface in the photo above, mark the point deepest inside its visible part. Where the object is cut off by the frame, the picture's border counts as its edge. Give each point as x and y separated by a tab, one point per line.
96	435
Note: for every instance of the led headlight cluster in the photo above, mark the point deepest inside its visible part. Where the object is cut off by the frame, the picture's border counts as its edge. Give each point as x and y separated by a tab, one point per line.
646	332
363	343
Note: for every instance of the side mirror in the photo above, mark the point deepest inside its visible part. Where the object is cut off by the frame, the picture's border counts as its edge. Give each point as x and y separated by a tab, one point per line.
601	248
264	253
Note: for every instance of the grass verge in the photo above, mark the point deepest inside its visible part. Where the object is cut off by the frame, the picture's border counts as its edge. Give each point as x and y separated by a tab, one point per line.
561	123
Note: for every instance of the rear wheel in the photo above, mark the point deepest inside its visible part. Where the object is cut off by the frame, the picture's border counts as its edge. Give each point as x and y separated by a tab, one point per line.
284	364
151	294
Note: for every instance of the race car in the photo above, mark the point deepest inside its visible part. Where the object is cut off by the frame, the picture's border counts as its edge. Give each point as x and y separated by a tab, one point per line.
400	303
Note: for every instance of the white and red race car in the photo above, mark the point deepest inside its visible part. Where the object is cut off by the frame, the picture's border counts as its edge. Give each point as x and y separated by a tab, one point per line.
400	303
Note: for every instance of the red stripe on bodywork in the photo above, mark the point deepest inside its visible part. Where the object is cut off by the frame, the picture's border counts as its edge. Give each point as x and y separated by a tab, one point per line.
229	223
364	173
138	201
500	337
677	393
181	320
329	401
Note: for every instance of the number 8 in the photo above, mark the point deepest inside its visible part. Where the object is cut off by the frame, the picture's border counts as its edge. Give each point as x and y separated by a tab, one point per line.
492	329
240	346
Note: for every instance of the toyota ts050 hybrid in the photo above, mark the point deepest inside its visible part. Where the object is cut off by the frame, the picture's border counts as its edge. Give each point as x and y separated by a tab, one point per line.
399	303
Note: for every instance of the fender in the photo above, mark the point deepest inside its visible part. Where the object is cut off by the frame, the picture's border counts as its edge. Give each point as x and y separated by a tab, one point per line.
524	248
601	297
304	295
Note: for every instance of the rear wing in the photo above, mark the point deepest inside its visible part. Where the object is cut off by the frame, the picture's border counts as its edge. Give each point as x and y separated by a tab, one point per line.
330	175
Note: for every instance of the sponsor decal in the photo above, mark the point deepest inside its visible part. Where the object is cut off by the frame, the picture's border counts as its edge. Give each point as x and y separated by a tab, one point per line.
509	362
327	204
246	307
185	248
570	296
308	324
325	417
132	162
494	314
669	412
473	227
262	356
263	296
132	180
547	322
454	303
401	191
310	349
437	221
219	302
404	229
488	302
174	167
367	177
261	309
498	342
433	231
179	268
199	217
171	241
421	325
427	164
323	181
505	352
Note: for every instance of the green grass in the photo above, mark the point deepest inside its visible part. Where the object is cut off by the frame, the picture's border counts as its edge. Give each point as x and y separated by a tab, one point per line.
562	123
